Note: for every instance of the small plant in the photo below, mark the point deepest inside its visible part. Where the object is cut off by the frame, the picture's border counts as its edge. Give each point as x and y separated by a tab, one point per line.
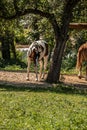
69	61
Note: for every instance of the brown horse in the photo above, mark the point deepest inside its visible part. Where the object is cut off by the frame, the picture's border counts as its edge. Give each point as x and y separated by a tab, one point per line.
81	57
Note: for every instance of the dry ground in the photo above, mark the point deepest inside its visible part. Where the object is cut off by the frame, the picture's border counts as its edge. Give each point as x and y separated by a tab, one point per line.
19	78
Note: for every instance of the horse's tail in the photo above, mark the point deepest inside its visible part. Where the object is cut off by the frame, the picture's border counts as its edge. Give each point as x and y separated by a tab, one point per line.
79	60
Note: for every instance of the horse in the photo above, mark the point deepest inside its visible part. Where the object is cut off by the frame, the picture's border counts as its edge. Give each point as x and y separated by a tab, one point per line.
81	57
38	53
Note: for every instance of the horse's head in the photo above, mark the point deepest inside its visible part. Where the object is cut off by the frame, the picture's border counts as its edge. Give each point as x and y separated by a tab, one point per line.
37	48
35	54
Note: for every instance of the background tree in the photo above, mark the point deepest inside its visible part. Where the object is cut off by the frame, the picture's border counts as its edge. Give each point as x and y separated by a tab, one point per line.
7	39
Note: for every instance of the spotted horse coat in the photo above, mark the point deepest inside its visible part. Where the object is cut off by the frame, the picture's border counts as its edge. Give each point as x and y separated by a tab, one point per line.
38	53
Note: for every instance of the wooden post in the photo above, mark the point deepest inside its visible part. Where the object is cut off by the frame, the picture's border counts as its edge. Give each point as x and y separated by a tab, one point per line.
78	26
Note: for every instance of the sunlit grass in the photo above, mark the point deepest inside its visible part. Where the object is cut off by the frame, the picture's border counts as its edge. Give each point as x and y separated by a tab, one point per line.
70	71
58	108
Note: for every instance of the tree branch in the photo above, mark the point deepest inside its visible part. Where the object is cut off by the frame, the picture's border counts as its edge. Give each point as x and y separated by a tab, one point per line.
67	15
47	15
19	13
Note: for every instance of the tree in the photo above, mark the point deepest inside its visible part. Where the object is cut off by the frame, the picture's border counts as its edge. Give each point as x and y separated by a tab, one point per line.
7	39
46	9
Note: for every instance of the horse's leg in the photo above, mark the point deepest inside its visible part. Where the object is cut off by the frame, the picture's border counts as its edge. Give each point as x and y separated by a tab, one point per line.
41	67
36	70
86	73
80	72
28	68
45	65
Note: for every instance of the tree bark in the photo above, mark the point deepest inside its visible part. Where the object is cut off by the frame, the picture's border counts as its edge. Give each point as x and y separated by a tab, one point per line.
5	49
11	43
55	67
7	45
13	49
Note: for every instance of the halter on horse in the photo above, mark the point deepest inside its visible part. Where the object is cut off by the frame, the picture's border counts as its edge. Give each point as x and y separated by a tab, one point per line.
37	52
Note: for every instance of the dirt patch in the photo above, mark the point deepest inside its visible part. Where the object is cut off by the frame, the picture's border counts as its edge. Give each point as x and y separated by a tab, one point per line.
19	78
74	81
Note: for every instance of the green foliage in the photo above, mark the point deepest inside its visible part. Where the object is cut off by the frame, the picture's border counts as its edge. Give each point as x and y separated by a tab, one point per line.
80	11
21	39
81	38
13	64
69	58
20	63
57	108
21	35
70	54
69	61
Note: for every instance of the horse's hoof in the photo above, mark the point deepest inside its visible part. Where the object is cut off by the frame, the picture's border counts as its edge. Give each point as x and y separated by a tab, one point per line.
27	78
79	77
42	77
36	79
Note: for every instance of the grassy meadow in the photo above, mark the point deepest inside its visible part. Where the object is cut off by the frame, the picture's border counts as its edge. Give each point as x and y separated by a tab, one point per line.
57	108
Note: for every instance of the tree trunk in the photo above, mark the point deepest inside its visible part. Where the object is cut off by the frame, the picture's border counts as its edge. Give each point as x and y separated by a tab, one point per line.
55	67
13	49
5	50
7	44
12	46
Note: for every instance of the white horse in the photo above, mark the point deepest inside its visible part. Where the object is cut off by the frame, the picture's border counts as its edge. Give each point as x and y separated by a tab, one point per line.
38	53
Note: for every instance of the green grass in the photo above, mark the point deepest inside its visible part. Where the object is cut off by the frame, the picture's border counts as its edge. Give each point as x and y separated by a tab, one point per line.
70	71
56	108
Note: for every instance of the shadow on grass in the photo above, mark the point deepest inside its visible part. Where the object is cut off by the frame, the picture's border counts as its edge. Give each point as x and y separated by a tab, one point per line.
45	87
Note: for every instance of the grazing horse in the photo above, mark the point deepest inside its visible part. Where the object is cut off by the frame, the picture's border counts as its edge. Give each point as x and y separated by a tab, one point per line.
38	53
81	57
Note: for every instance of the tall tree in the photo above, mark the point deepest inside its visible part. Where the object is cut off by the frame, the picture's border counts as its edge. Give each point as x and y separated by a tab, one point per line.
7	39
47	9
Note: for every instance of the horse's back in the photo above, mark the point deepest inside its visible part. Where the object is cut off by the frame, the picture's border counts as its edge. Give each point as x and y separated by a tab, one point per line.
83	47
